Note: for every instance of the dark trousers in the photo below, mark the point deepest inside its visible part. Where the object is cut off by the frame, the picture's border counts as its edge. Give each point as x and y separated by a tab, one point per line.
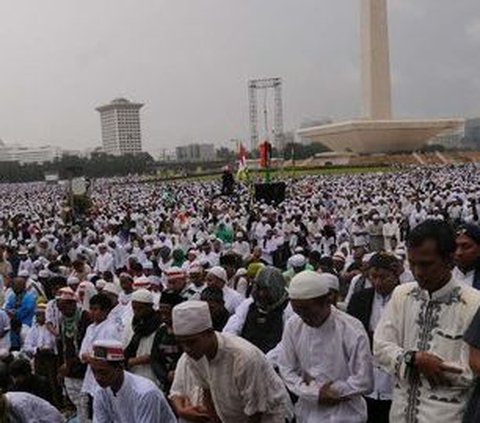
46	365
378	410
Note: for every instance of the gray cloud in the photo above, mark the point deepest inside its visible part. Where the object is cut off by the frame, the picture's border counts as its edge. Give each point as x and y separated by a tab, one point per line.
189	61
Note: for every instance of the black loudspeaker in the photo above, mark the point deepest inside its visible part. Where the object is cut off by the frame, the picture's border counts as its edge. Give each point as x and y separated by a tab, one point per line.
273	193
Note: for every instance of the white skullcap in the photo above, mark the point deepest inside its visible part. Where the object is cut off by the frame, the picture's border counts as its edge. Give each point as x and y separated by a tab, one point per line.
219	272
142	296
112	288
332	280
148	265
298	260
44	274
100	284
307	285
191	318
73	280
366	258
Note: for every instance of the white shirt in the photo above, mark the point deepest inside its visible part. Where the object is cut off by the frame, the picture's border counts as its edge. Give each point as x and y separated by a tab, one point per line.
241	381
95	331
39	337
4	334
52	314
466	278
415	320
242	248
29	408
383	381
104	263
231	298
337	351
184	384
137	401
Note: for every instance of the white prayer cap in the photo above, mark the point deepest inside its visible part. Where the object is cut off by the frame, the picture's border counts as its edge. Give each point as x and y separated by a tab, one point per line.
332	280
239	235
219	272
141	282
298	260
307	285
148	265
191	318
107	350
65	294
339	256
241	272
112	288
100	284
24	274
142	296
44	274
174	273
73	280
195	267
366	258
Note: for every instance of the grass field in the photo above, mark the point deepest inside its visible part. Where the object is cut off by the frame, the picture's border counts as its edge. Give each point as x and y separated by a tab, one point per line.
285	173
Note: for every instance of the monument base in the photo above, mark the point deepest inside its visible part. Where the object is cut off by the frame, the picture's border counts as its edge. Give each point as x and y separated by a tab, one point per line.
379	136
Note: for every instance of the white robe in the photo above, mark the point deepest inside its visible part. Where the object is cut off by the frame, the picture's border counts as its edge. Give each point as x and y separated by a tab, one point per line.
337	351
414	321
241	381
137	401
29	408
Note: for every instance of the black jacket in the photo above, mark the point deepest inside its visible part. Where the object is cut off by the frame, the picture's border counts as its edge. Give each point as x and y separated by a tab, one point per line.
360	307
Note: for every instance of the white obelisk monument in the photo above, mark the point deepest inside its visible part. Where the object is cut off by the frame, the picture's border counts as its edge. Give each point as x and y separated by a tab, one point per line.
377	98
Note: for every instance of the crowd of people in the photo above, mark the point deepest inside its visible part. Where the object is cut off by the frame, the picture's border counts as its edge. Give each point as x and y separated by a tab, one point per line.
354	300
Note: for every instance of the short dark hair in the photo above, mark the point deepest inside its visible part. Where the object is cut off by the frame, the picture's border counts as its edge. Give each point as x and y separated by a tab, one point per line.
212	293
439	231
19	367
385	261
102	301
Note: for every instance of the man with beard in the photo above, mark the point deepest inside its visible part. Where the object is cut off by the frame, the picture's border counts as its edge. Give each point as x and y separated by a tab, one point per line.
165	350
139	335
261	318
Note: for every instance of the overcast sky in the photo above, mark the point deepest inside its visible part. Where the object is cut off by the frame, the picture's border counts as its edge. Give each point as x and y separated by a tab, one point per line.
189	62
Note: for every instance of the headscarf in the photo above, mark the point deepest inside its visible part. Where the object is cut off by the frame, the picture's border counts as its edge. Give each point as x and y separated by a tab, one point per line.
89	290
178	257
271	279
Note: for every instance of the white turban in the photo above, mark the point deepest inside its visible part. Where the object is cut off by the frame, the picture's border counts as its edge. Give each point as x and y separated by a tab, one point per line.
307	285
191	318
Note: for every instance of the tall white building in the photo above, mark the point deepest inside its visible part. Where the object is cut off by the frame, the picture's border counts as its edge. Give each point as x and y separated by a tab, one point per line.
121	127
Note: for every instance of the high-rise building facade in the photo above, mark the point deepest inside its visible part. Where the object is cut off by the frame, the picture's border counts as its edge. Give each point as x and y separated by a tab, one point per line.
121	132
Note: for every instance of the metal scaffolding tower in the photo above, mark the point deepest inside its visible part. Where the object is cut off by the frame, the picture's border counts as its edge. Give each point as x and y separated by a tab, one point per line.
265	84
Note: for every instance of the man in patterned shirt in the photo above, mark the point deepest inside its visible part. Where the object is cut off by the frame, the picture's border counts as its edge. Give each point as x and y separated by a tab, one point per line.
419	338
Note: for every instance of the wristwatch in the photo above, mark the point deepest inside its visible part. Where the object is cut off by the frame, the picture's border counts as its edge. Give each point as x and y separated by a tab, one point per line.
409	358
